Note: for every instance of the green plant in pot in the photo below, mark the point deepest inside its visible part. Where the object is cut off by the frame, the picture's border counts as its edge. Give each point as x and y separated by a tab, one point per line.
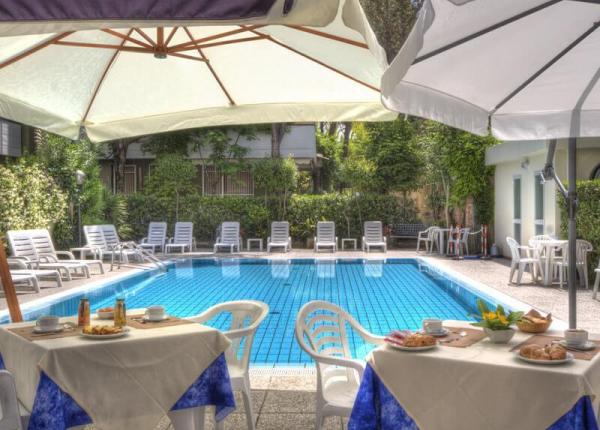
496	323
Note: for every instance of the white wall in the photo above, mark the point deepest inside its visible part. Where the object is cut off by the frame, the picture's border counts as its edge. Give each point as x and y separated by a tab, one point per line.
508	159
299	142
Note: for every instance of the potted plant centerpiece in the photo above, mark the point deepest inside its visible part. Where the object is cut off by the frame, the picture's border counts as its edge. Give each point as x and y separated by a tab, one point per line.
496	323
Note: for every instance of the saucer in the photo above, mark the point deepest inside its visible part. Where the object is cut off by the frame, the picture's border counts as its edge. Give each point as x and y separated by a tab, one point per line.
440	333
588	346
147	318
40	330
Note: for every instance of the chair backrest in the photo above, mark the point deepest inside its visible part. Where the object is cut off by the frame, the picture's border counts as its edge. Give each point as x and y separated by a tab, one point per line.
533	240
325	231
230	232
373	231
514	249
94	237
21	244
111	237
157	233
583	248
280	231
245	317
184	232
11	417
42	242
321	332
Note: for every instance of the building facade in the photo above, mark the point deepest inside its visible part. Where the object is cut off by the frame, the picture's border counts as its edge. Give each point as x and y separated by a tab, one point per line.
525	204
299	142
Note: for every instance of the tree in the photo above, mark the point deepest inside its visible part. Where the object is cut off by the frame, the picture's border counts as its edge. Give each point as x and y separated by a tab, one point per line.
396	155
170	178
277	133
276	177
330	149
119	153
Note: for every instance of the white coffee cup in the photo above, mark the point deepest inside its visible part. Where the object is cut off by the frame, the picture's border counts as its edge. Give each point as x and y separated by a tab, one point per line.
156	312
576	337
432	325
48	322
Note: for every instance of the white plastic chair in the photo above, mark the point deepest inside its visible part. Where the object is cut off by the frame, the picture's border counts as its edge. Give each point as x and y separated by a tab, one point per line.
280	236
326	237
596	281
229	237
157	237
246	317
373	236
14	416
20	272
560	262
183	237
520	261
103	240
426	236
22	247
462	241
321	332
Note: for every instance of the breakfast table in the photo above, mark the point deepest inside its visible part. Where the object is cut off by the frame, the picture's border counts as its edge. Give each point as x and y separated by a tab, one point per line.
67	380
479	386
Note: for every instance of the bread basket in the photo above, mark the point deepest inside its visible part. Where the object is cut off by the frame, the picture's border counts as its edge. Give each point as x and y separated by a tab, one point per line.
528	326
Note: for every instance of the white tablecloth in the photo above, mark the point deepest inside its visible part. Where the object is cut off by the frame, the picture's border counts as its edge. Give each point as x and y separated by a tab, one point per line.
125	383
484	386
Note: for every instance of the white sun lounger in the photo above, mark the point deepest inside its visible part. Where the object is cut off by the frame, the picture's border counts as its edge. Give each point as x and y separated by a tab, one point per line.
22	247
183	237
280	236
229	237
19	268
326	237
157	237
373	237
104	241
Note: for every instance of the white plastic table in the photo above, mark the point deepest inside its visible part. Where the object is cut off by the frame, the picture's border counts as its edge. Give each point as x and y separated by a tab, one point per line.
252	240
544	250
348	240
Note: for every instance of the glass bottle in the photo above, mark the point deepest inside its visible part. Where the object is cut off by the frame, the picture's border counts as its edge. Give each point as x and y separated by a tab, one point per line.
120	313
83	313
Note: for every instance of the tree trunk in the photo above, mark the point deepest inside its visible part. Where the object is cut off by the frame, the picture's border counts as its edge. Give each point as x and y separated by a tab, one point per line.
119	148
347	133
446	201
277	132
333	128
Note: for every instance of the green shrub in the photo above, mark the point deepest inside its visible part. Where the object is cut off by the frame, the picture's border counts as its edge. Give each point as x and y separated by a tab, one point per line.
588	214
255	215
29	198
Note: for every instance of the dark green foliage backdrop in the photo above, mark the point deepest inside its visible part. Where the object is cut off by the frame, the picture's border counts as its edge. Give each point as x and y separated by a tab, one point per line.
347	210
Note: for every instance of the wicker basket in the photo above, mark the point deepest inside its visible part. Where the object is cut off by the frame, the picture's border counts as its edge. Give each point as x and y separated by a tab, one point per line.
531	327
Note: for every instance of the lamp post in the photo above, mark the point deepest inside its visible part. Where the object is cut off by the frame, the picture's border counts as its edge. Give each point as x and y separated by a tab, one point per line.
79	178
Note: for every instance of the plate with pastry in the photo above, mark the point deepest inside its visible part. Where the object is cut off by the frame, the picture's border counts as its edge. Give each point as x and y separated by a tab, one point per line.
551	354
407	341
106	313
104	332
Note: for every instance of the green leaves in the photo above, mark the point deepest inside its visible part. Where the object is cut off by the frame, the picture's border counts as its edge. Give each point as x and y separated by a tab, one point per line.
496	319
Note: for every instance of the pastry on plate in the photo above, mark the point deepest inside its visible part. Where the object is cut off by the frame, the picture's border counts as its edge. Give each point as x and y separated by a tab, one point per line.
551	351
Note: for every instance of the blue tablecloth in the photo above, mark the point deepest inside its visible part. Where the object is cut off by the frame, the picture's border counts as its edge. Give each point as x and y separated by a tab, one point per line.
53	409
376	408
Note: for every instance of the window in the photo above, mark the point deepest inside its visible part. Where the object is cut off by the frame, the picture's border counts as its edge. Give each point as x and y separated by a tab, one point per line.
539	203
517	208
217	184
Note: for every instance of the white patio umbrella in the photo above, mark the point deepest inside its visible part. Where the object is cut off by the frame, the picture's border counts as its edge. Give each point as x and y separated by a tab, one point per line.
131	81
523	69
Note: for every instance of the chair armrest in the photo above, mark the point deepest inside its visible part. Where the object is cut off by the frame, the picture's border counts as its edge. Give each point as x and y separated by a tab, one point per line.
351	363
144	240
68	254
268	239
48	258
17	263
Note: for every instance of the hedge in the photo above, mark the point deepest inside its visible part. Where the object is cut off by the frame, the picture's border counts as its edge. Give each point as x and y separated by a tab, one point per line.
588	218
255	215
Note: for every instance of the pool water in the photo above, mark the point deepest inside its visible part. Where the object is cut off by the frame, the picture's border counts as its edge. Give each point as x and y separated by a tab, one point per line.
382	296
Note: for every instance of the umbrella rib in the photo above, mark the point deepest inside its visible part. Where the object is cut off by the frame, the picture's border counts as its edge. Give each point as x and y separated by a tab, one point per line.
101	80
103	46
315	60
170	36
328	36
231	101
34	49
546	66
145	36
187	57
486	30
194	42
126	37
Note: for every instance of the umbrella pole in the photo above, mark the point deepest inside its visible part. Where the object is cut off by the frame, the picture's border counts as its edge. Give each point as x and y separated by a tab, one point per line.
9	288
572	209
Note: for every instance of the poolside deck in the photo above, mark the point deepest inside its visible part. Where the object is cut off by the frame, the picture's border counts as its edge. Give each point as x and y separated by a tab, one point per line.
284	398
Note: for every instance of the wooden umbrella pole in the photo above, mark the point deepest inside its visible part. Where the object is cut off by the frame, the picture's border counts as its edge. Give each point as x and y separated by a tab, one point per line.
9	288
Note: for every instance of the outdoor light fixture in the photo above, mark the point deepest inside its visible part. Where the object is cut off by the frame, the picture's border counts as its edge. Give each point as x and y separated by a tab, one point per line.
79	177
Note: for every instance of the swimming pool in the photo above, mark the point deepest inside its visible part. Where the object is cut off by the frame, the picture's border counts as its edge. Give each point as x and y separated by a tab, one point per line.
382	295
